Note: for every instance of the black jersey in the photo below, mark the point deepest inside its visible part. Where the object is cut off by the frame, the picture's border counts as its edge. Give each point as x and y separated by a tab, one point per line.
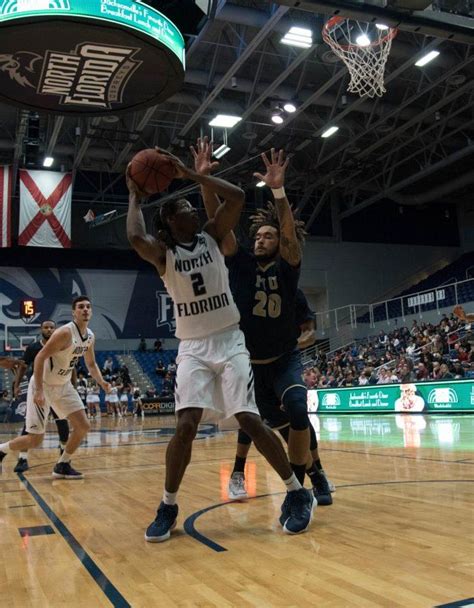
30	353
303	312
265	298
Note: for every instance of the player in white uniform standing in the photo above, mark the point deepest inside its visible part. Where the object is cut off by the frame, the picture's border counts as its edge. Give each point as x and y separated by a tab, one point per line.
214	376
50	387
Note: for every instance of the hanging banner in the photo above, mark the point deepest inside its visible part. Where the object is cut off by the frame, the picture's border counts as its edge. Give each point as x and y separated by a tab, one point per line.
45	209
5	206
451	396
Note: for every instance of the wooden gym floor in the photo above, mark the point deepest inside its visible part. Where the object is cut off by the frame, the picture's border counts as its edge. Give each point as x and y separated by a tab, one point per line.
399	533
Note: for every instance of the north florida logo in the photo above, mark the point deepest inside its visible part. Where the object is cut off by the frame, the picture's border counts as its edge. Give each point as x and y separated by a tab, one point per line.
92	75
442	397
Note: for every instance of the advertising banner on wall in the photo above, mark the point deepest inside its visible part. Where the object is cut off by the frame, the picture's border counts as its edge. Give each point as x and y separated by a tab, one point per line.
425	397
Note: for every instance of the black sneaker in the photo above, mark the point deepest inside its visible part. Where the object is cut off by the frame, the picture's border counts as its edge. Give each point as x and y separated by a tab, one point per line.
64	470
165	521
2	456
21	466
321	490
301	505
285	510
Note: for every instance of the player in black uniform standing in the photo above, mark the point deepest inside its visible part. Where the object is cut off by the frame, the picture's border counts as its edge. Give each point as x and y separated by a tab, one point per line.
279	420
264	285
20	385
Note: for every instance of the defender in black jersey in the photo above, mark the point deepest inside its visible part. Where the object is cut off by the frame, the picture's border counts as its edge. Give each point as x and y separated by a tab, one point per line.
20	386
278	419
264	284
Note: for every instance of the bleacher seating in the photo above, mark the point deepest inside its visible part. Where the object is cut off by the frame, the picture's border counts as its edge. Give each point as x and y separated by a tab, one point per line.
148	361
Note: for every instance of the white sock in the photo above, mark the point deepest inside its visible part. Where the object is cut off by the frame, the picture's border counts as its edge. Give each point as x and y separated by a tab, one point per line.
65	457
169	498
5	447
63	445
23	455
292	483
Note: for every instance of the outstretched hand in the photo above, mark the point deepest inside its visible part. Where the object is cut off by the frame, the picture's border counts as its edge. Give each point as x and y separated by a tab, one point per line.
202	154
275	176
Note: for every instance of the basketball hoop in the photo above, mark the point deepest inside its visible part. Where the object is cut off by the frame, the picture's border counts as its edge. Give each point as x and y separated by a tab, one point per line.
364	48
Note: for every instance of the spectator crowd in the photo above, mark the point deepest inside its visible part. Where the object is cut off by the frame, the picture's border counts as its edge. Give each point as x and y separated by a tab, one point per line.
424	352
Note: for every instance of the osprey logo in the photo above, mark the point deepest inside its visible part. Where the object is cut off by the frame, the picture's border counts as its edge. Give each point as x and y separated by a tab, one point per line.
331	399
20	67
442	396
92	75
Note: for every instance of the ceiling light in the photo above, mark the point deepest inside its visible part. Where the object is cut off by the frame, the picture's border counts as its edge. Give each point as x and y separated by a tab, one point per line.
260	184
298	36
221	151
330	131
363	40
427	58
277	118
225	121
381	26
289	107
48	161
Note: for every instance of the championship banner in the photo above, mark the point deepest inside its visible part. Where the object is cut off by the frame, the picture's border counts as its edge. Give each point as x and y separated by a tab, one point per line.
5	206
45	209
427	397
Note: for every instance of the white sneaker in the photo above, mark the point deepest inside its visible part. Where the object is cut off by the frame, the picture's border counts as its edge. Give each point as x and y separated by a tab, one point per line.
237	490
332	487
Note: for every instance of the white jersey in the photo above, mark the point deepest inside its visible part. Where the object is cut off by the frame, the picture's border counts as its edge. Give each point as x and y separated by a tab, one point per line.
197	279
58	368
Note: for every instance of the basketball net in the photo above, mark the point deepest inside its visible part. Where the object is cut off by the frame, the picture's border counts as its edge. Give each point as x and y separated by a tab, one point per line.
364	48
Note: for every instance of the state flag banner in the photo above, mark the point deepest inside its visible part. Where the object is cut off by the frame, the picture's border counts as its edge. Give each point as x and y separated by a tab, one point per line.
45	209
5	206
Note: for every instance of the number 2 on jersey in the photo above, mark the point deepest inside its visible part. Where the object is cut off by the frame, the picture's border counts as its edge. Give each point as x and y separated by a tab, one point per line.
198	284
267	305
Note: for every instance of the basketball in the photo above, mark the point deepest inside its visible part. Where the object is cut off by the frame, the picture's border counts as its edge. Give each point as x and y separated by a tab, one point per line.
151	171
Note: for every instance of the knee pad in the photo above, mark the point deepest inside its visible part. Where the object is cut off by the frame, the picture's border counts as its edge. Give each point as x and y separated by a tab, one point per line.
295	402
313	442
244	438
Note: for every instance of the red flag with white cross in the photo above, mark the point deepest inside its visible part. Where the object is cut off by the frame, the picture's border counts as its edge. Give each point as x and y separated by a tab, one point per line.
45	209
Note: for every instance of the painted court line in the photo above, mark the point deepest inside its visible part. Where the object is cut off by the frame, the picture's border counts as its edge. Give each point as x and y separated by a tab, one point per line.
189	524
112	593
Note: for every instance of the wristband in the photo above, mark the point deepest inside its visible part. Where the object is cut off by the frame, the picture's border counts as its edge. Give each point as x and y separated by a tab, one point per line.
278	192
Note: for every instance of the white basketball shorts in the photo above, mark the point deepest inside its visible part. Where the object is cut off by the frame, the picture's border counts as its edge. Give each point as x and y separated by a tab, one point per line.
64	399
215	374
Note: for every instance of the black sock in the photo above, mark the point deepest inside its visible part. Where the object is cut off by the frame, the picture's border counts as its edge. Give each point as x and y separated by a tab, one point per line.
239	465
313	473
299	470
318	464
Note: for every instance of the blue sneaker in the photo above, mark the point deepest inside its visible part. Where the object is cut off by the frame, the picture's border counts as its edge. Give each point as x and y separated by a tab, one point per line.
301	506
165	521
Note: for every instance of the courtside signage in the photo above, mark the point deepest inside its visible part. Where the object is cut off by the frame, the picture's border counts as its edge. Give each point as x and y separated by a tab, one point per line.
87	56
409	398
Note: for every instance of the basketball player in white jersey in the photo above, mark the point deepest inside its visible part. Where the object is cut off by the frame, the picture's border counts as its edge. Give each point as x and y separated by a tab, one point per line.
214	377
50	387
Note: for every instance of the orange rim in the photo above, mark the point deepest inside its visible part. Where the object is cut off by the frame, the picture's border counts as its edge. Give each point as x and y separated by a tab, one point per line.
334	21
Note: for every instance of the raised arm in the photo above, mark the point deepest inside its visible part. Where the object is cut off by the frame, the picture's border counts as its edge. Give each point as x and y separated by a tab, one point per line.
146	245
203	165
274	178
